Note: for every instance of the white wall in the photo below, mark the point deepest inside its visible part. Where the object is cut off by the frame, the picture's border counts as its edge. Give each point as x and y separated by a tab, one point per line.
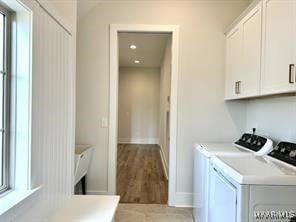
273	117
202	113
165	92
138	105
53	115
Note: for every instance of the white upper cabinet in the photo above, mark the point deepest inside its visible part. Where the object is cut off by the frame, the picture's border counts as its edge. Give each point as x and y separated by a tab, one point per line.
279	48
251	52
261	51
243	56
233	62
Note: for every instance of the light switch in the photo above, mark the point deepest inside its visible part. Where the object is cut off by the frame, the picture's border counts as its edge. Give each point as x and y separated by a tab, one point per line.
104	122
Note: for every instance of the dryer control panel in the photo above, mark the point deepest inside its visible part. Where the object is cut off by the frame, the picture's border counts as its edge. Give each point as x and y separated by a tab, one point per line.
259	144
286	152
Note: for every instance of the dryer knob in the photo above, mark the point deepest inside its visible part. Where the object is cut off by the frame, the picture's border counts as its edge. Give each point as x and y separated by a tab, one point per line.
292	154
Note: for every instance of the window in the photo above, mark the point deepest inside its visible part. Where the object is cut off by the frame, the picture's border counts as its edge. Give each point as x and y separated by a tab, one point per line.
4	98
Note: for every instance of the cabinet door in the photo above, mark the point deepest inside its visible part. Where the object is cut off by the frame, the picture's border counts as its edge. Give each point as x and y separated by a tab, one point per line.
279	46
251	53
233	63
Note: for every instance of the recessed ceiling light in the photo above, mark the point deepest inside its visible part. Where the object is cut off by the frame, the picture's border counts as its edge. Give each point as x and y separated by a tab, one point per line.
133	47
137	61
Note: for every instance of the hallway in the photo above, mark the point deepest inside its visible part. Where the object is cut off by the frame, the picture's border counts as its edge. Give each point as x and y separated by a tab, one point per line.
140	176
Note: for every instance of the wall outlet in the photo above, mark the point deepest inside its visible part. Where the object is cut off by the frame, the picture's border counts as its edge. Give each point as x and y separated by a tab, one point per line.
104	122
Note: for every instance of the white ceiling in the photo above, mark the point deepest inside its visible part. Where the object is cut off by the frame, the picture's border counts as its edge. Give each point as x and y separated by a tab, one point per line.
149	51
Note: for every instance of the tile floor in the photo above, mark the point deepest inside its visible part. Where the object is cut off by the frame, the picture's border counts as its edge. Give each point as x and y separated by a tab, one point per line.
152	213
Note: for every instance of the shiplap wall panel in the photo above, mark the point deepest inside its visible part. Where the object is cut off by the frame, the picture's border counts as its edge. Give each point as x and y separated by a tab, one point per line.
56	74
52	119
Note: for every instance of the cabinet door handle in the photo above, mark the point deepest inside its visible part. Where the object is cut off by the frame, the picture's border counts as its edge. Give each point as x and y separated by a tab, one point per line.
238	87
291	74
294	74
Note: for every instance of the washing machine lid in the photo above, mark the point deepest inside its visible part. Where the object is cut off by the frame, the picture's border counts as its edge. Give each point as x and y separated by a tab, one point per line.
212	149
255	170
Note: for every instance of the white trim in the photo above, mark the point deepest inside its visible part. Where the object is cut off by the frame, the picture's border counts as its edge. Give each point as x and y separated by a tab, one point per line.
10	200
113	101
184	199
113	110
164	163
138	141
21	96
173	118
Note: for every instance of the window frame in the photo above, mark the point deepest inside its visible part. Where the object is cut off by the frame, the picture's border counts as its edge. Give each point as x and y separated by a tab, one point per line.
6	155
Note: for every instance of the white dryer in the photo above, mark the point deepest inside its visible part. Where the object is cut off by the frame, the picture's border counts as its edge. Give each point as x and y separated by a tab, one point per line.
254	188
248	144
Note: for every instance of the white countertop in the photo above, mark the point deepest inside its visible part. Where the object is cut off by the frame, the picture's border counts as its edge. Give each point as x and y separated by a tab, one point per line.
212	149
87	208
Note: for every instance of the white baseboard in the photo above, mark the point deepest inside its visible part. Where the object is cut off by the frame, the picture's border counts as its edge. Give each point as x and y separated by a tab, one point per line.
97	192
183	199
138	140
164	163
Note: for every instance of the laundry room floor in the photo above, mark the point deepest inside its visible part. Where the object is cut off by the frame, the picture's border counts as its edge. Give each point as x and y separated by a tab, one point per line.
152	213
140	176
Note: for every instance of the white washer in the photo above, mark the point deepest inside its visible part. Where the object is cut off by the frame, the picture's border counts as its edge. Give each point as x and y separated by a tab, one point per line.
202	155
254	188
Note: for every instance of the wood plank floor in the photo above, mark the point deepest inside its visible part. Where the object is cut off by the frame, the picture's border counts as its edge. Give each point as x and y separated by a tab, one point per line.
140	176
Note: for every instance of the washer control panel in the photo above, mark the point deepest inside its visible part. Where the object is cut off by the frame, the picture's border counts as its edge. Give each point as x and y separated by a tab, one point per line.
285	151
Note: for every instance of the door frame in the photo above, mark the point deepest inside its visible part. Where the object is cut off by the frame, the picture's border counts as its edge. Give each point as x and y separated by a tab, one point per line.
113	100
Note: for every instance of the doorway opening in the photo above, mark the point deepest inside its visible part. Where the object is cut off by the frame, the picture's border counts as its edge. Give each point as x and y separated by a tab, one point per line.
143	110
143	113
